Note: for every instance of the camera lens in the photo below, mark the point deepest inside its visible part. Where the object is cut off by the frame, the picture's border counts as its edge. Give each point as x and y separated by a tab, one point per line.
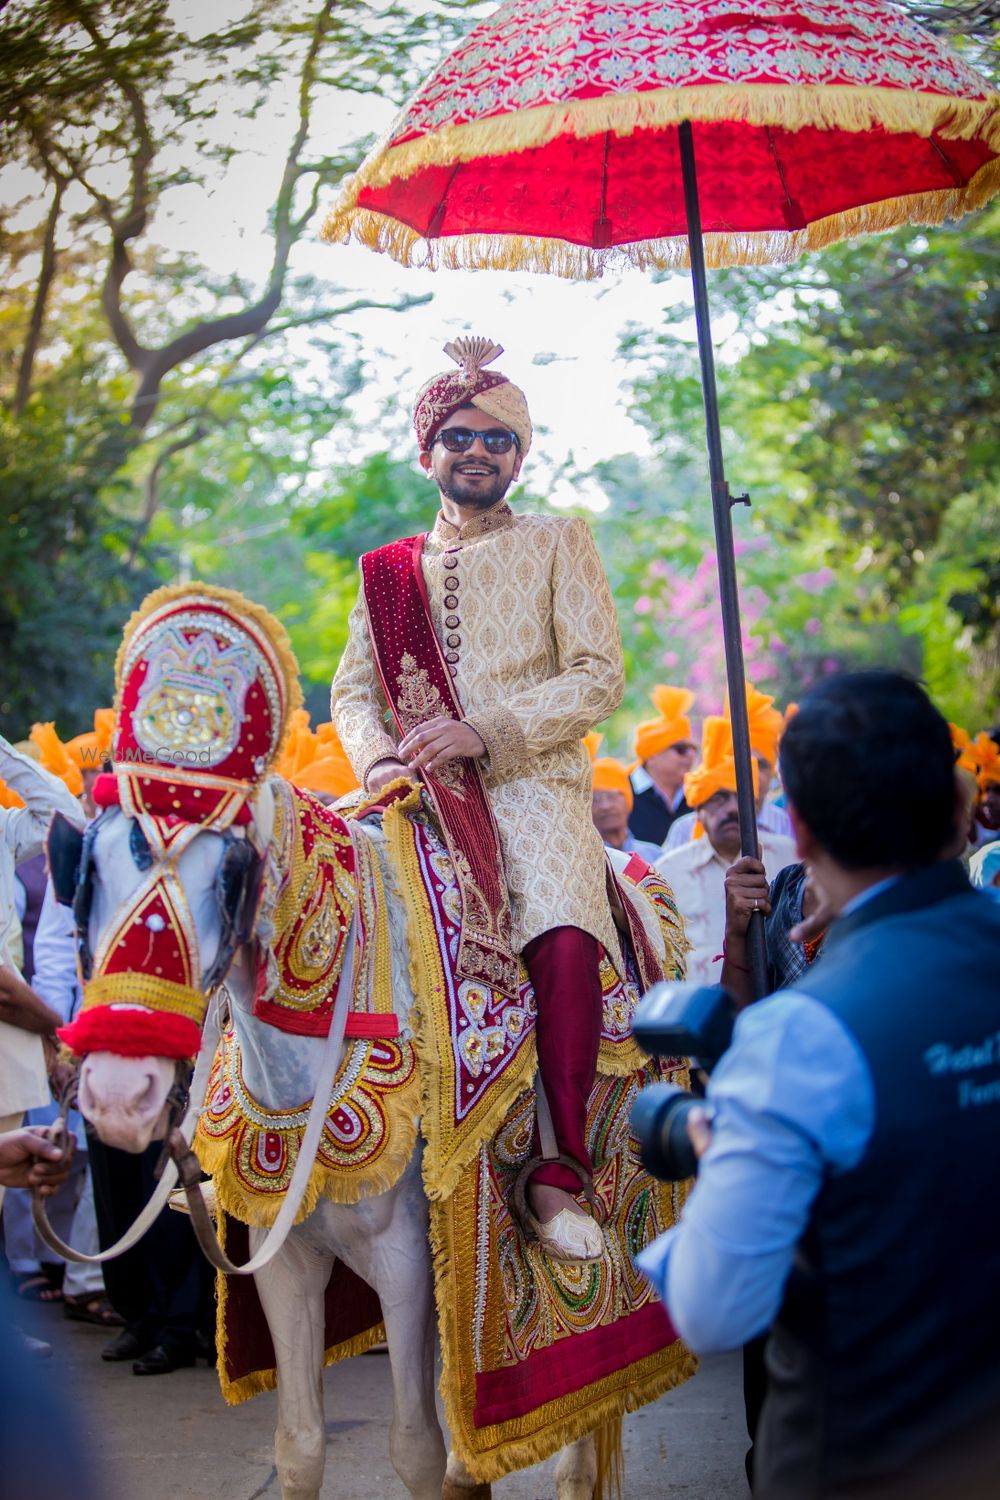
659	1123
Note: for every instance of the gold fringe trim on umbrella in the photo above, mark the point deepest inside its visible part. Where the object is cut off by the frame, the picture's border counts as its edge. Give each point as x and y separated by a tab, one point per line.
837	107
509	252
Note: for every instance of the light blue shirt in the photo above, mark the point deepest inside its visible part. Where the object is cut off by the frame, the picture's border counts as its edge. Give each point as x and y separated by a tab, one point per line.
793	1100
647	851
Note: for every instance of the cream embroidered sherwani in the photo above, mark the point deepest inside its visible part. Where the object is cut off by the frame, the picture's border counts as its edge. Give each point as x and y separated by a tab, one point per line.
523	612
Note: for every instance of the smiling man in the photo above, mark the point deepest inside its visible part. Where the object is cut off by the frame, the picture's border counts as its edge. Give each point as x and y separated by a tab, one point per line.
493	643
697	870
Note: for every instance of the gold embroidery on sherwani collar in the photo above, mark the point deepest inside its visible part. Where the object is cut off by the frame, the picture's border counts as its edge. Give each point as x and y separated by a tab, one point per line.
499	517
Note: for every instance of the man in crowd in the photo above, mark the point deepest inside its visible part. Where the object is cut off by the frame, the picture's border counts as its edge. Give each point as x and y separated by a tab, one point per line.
841	1105
494	642
666	751
766	724
696	872
27	1024
611	804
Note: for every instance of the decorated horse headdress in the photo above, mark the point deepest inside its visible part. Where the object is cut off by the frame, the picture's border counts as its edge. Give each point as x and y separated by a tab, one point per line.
205	683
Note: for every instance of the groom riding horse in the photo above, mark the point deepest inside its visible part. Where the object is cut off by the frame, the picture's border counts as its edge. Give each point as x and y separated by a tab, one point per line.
494	642
410	957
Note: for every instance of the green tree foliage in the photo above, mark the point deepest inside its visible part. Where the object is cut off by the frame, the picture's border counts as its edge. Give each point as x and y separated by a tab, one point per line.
861	413
198	390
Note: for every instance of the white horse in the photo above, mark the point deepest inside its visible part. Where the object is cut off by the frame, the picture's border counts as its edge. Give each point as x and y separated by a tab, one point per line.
384	1239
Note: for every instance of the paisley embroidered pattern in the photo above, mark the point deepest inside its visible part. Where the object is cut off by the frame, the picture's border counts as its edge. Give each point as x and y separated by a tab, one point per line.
475	1042
311	915
509	1315
368	1137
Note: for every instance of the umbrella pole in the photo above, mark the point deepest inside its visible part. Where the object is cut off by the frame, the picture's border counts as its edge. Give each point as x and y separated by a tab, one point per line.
722	503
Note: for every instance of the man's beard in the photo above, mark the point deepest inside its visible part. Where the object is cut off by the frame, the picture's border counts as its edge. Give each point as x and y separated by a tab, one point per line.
473	499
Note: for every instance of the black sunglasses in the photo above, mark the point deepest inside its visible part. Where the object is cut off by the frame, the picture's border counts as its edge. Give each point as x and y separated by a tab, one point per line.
460	439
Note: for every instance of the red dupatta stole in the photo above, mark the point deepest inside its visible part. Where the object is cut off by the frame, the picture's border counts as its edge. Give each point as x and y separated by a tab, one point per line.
418	686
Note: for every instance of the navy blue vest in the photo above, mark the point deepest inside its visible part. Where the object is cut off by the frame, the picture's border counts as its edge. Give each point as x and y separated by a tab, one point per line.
887	1347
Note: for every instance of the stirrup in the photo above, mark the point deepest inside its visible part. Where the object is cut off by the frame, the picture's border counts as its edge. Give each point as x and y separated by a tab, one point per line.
533	1229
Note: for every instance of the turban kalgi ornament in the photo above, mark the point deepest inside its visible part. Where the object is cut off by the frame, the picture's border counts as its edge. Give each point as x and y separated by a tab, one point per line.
672	726
471	385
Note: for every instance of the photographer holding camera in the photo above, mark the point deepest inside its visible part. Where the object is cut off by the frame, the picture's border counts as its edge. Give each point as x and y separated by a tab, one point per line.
848	1195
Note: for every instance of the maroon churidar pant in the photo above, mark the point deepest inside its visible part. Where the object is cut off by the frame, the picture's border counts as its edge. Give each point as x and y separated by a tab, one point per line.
564	968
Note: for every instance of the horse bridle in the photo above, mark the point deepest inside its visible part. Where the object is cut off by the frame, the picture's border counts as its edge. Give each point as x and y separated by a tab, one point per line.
238	901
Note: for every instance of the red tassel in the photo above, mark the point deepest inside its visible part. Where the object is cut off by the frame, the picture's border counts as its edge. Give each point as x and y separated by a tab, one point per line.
131	1033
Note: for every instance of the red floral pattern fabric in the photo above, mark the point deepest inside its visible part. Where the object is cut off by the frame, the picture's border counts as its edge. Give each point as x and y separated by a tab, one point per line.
536	52
554	125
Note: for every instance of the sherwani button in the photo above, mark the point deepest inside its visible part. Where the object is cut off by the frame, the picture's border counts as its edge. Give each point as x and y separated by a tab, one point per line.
451	621
451	656
453	640
451	602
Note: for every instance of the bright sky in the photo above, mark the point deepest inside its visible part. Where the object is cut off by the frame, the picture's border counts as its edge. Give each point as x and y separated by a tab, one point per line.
561	338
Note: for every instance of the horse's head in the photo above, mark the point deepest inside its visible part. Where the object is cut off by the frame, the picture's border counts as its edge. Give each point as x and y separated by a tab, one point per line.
164	884
157	933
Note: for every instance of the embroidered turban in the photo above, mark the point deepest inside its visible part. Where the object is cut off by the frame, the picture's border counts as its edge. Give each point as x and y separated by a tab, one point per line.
717	772
673	725
471	385
611	776
766	722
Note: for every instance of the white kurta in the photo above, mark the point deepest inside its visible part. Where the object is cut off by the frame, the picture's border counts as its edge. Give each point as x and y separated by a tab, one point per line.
523	612
697	876
24	1082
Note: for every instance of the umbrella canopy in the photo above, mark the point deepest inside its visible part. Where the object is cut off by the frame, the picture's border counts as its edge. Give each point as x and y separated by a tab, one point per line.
548	139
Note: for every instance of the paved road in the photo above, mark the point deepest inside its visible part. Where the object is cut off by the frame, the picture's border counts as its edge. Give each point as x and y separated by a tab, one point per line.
172	1437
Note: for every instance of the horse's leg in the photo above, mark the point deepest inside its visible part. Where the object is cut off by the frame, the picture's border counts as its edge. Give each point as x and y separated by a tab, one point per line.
291	1289
576	1471
460	1485
402	1274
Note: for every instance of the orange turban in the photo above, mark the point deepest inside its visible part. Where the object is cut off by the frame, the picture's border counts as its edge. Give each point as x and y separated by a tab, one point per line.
593	742
9	798
331	771
766	723
85	752
987	753
717	772
315	762
611	776
54	756
299	748
672	725
966	758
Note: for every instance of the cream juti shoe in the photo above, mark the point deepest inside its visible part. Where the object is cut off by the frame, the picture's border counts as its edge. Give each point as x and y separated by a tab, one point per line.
568	1237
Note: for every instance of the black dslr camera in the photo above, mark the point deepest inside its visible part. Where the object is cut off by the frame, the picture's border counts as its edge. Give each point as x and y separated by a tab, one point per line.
677	1020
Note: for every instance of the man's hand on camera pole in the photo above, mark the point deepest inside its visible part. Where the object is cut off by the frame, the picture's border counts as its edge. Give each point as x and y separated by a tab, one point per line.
747	891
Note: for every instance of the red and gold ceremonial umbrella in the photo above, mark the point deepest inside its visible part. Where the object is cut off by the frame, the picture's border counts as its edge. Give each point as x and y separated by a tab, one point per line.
563	136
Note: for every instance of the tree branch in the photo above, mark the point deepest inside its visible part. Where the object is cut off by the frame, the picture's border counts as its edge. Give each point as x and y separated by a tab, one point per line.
255	317
131	224
151	487
43	286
